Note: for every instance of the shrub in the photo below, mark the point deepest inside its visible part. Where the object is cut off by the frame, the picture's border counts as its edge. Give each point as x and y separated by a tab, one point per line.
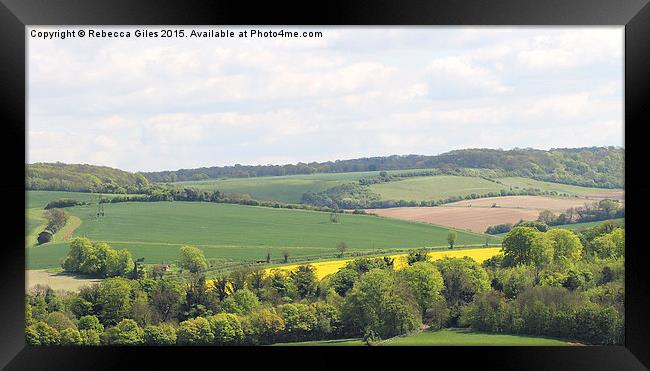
163	334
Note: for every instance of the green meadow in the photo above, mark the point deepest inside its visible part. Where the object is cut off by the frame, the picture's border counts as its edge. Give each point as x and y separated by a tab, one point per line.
231	233
434	187
445	337
289	188
573	190
38	199
587	225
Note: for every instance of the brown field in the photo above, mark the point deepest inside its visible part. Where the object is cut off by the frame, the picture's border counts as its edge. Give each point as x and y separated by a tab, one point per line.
475	219
538	203
617	195
57	281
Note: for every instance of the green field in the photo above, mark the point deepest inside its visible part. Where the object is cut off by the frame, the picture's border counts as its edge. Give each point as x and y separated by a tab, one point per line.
586	225
231	233
434	187
446	337
288	188
575	226
38	199
548	186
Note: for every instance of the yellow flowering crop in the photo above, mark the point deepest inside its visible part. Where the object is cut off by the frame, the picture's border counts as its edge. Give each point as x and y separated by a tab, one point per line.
329	267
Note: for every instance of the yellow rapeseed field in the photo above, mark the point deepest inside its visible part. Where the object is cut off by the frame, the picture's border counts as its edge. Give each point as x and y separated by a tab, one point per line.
329	267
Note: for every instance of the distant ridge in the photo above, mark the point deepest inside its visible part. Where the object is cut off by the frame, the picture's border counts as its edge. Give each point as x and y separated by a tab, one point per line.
588	166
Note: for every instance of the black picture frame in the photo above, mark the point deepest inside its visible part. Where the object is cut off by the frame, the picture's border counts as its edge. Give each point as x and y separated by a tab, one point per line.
16	14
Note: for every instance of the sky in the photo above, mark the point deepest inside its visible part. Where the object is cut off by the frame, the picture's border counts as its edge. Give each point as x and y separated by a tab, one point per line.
150	104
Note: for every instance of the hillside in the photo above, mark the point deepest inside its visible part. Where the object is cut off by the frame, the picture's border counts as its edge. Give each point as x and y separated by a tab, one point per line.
82	178
234	233
591	167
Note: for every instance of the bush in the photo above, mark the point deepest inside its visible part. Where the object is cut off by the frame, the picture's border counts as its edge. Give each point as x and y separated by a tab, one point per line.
195	331
163	334
227	329
499	228
44	237
67	202
127	332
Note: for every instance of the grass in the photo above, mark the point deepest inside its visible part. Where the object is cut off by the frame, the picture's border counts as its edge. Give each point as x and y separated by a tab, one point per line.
335	342
463	337
586	225
445	186
434	187
235	233
548	186
575	226
288	188
38	199
445	337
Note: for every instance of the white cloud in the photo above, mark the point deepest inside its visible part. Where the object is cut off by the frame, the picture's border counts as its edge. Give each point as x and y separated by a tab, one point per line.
179	103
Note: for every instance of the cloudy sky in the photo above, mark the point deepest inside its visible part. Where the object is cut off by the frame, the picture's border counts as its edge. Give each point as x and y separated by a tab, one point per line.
164	104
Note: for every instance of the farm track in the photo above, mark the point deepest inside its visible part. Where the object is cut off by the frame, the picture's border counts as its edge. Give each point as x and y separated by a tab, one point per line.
69	228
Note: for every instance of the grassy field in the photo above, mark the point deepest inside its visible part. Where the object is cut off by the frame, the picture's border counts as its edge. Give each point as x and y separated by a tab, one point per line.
519	182
434	187
446	337
581	226
576	226
38	199
228	233
58	280
288	188
444	186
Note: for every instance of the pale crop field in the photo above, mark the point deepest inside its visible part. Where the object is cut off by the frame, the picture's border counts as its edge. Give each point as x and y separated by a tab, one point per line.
557	204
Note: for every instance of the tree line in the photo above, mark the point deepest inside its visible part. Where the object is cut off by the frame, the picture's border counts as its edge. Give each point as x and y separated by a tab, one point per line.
590	167
56	219
556	283
358	196
82	178
596	211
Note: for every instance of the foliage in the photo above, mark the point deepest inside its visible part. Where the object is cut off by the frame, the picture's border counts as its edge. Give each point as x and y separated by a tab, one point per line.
40	333
378	303
61	203
163	334
126	332
192	259
499	228
451	238
84	178
96	259
227	329
71	336
415	256
596	166
463	278
304	279
196	331
243	301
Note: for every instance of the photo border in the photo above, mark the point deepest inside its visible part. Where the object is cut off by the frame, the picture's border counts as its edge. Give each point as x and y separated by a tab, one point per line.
633	14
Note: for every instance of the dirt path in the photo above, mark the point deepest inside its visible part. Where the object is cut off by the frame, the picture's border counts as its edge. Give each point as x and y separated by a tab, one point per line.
69	228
